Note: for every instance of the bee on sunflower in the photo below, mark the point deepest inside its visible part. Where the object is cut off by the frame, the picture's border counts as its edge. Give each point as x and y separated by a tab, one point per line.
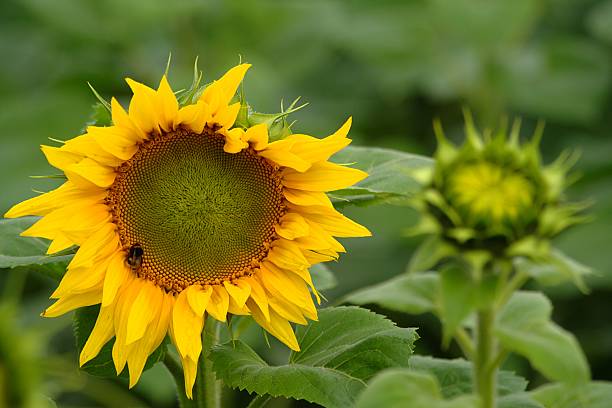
180	212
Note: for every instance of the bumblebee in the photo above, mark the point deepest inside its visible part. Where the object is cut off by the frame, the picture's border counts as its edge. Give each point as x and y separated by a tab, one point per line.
134	257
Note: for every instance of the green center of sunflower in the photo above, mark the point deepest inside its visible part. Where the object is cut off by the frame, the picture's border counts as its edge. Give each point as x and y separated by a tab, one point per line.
196	214
487	192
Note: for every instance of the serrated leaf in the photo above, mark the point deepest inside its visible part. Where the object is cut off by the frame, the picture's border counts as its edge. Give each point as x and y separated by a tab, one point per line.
414	293
340	353
456	377
524	327
102	365
391	175
27	252
596	394
398	388
322	277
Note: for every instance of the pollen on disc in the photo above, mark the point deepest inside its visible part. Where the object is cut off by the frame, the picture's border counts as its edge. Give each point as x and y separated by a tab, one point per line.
201	215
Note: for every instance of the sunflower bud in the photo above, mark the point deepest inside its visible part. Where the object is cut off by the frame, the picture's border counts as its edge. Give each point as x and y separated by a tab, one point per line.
492	197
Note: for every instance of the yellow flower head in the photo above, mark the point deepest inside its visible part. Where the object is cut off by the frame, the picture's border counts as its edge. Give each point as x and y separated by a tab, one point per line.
177	213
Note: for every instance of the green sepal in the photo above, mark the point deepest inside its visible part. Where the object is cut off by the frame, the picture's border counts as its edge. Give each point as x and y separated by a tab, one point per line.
277	124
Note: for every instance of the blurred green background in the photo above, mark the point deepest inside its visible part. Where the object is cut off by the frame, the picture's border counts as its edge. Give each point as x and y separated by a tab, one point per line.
393	65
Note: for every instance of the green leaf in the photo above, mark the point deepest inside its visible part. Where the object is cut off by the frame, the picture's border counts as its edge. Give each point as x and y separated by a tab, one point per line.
102	365
429	253
596	394
458	299
27	252
558	269
414	293
524	326
520	400
322	277
456	378
340	353
391	175
405	388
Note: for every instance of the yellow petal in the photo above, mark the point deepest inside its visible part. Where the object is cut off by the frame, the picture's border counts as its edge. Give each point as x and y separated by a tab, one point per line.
122	120
145	308
187	328
258	136
333	222
218	304
168	104
60	158
83	279
227	85
100	243
143	108
87	146
194	116
71	302
190	370
314	150
239	293
287	255
117	275
112	140
89	171
286	158
45	203
323	176
198	298
226	118
259	296
277	326
102	332
59	243
156	331
122	311
301	197
286	285
292	226
234	141
76	221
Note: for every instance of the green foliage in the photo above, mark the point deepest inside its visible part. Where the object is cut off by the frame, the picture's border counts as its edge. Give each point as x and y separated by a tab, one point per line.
322	277
395	387
456	376
391	175
524	326
28	253
596	394
415	293
102	365
458	299
340	353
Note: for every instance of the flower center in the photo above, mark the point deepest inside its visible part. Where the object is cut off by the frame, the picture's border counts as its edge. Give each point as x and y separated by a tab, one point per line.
485	191
191	213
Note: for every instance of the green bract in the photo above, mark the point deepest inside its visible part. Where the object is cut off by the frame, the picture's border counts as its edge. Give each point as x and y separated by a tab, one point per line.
492	198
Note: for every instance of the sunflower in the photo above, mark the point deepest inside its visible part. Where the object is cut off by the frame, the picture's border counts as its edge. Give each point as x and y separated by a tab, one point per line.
179	213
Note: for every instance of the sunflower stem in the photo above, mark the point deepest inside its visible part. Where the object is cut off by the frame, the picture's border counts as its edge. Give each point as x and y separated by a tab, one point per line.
210	386
485	372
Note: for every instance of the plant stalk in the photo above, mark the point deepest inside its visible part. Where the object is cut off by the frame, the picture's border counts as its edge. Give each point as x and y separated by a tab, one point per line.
485	371
211	386
207	389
